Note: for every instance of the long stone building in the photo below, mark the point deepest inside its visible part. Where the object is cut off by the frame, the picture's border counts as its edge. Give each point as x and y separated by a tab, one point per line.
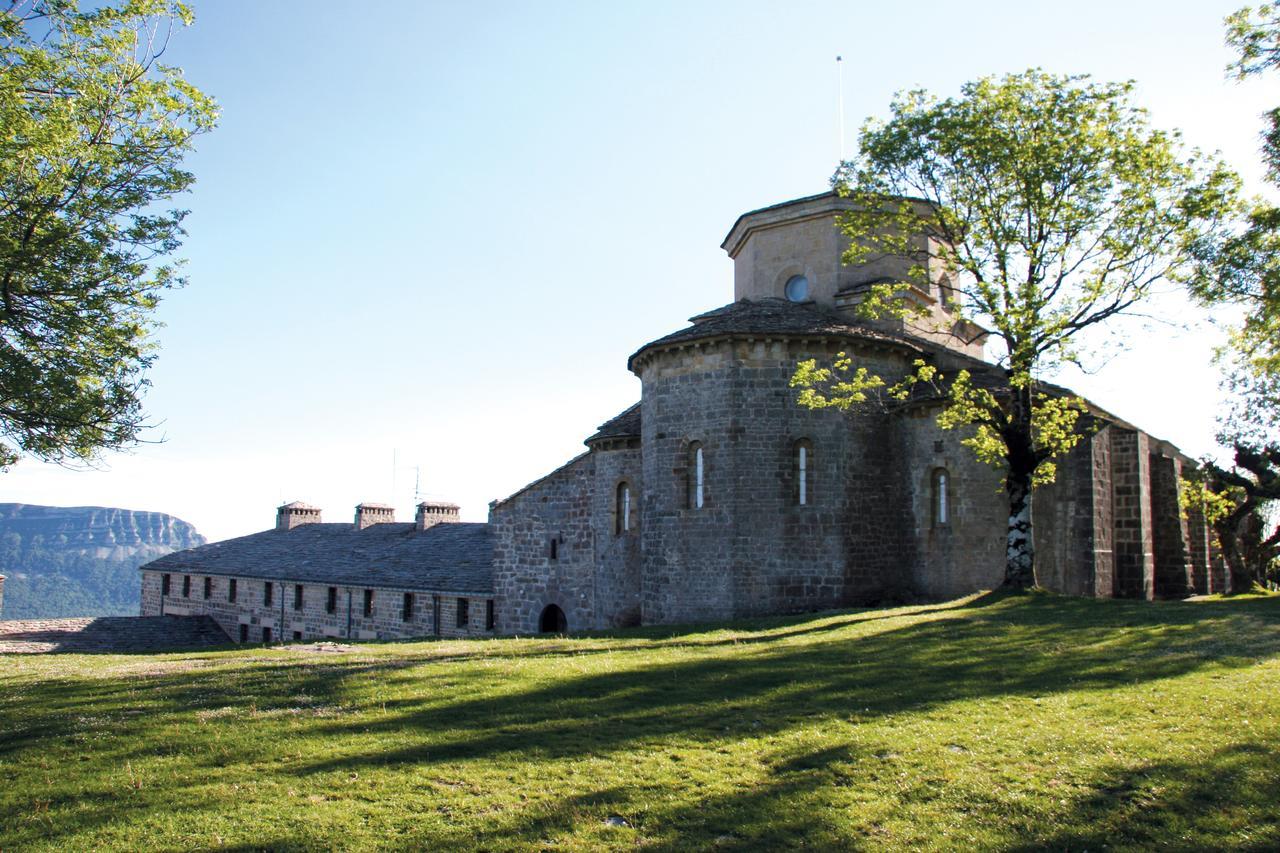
716	496
306	579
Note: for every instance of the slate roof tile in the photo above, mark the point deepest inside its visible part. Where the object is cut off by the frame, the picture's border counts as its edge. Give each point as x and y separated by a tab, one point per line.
453	558
622	425
772	316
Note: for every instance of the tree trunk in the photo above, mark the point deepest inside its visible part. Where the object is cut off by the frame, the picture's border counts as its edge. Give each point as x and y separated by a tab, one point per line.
1020	450
1019	569
1239	575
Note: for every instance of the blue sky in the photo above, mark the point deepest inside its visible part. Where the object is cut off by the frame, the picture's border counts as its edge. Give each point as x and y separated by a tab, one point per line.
434	232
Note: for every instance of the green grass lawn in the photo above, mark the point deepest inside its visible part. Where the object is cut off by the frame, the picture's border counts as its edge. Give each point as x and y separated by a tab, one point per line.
1020	722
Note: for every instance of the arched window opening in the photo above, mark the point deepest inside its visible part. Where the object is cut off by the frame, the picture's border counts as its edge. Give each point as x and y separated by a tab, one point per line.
941	498
696	474
552	620
803	456
622	509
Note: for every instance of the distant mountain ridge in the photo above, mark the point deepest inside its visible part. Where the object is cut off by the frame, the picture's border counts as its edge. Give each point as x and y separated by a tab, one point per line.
81	561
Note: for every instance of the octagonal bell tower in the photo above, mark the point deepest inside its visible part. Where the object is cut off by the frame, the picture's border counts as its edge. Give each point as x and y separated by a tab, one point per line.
792	251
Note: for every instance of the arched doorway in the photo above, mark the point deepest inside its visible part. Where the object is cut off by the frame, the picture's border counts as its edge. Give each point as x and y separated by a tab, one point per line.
552	620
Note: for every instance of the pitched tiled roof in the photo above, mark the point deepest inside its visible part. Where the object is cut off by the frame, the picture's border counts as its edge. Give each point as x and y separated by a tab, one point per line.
771	317
443	558
623	425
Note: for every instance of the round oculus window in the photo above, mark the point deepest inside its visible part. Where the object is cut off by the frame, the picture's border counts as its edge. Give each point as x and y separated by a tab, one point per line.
797	288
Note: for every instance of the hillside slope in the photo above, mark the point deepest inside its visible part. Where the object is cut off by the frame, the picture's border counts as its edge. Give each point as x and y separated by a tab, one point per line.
992	722
81	561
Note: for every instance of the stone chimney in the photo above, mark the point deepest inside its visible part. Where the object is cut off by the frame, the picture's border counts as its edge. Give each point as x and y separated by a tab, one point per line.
368	514
431	513
293	514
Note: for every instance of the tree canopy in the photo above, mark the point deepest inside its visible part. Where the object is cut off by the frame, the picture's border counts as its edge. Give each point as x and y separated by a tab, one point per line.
1041	206
93	131
1240	498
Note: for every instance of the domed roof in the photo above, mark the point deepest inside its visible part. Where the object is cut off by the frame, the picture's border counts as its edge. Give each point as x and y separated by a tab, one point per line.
772	318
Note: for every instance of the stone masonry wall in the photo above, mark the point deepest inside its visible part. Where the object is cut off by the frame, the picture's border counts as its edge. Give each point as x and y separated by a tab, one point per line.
790	557
1072	520
1198	534
967	552
751	548
688	551
1170	535
617	554
1103	489
312	620
1131	482
526	576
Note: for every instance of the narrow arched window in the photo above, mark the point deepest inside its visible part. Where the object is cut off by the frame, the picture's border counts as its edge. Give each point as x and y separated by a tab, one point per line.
696	474
941	498
803	455
622	509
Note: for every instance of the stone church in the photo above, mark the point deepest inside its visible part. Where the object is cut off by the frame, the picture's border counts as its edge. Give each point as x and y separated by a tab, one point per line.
716	496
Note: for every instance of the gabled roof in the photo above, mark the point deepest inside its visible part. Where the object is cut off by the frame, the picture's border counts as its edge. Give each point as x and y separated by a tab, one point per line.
772	317
454	558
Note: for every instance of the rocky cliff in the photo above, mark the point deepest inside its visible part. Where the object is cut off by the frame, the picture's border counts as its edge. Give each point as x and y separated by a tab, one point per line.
81	561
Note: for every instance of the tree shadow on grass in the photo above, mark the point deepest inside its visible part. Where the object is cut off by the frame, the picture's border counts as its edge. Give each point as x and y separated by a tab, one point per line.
211	681
1033	648
1225	801
835	666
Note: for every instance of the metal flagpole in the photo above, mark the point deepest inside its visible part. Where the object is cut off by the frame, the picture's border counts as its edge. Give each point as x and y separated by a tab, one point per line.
840	105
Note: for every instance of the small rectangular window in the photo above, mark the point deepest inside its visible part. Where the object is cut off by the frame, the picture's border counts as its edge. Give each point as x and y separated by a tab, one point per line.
266	594
368	602
463	612
297	596
164	584
244	633
208	587
331	602
186	586
231	590
407	612
488	615
555	548
266	634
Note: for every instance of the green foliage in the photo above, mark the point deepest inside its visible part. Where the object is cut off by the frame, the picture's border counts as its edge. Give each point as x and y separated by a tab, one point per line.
1247	263
1042	204
93	130
966	406
1036	206
989	723
44	584
1254	33
1212	500
1239	502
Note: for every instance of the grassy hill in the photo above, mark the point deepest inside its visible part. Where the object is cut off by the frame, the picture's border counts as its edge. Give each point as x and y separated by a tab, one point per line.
990	722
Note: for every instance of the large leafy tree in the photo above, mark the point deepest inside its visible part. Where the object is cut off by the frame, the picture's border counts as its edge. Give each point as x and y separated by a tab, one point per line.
93	130
1240	498
1044	206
